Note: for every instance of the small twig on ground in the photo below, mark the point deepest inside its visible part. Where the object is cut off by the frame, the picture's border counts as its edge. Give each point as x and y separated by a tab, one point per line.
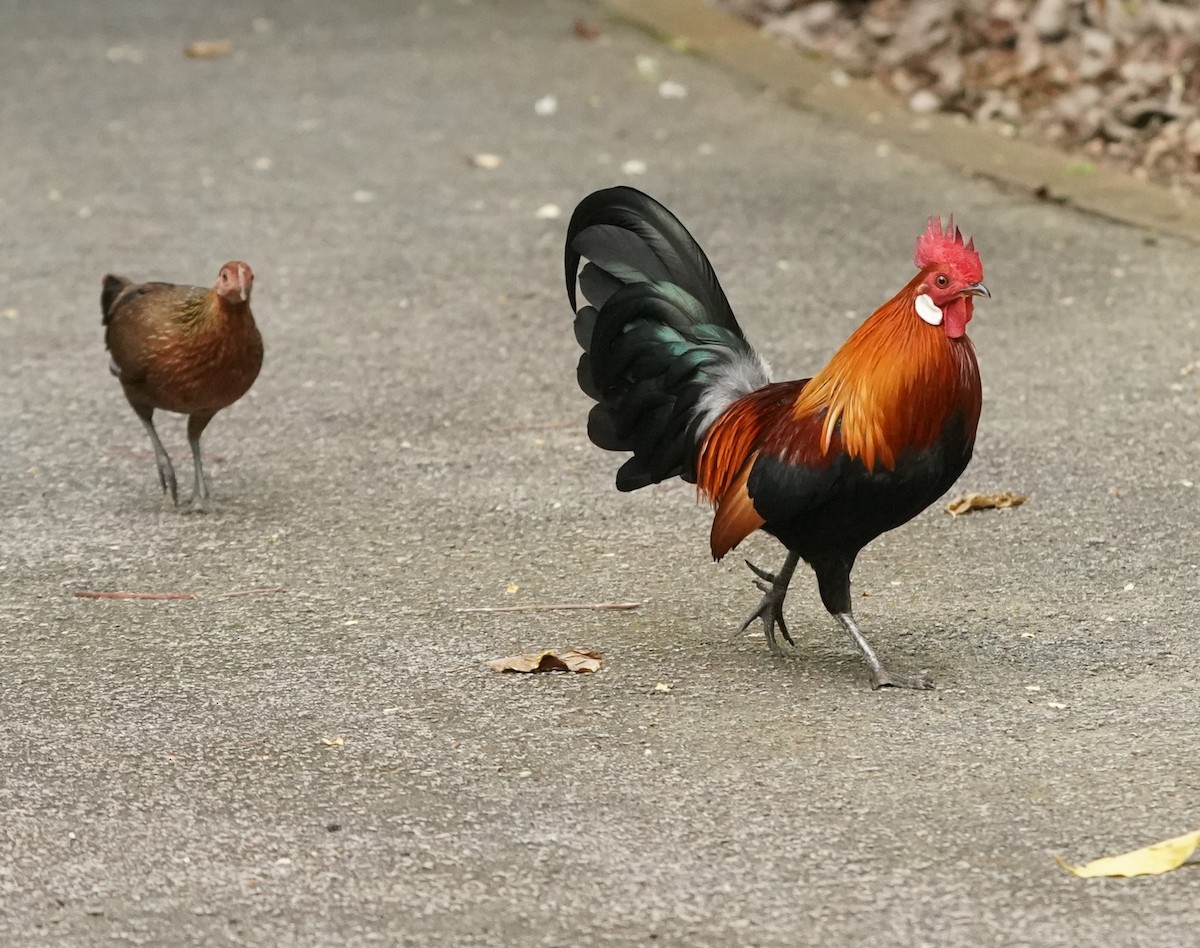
249	592
553	607
97	594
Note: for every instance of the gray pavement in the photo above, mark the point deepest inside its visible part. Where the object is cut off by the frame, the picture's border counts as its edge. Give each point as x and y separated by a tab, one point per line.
416	444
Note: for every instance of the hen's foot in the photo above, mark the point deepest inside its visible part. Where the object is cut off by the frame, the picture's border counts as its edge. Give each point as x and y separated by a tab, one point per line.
166	472
196	505
166	477
199	500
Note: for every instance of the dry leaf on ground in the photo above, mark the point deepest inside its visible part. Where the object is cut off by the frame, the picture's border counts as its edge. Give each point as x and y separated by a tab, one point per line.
487	161
583	661
973	501
1149	861
586	30
208	49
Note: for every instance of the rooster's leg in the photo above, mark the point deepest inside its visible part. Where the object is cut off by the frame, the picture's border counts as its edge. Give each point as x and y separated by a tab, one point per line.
880	676
833	578
166	473
196	426
770	610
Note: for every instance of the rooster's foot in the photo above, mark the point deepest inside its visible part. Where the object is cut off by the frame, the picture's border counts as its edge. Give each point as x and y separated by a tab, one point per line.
770	609
882	678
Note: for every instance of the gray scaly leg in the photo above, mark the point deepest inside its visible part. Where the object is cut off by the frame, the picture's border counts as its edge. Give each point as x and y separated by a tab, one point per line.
880	676
166	473
196	426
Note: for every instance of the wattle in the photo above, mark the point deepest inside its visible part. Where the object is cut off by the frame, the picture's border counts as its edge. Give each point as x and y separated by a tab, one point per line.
956	315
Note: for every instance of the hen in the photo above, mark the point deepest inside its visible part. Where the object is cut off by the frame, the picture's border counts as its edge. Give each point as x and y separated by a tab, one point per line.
184	349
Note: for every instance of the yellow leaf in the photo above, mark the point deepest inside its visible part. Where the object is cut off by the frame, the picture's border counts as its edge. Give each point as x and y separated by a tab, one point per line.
512	588
1150	861
333	741
208	49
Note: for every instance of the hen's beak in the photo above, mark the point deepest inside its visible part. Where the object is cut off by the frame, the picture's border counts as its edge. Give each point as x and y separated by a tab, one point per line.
977	289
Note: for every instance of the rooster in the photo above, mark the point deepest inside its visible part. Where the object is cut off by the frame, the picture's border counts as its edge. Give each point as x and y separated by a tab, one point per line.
825	464
186	349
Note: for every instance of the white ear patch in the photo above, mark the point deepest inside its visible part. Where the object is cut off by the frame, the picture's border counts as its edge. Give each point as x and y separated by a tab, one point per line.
927	309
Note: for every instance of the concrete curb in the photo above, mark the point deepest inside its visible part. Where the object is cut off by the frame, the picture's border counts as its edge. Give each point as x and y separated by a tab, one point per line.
865	107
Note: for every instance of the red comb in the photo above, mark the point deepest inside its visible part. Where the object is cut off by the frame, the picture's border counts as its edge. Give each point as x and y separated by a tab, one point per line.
938	246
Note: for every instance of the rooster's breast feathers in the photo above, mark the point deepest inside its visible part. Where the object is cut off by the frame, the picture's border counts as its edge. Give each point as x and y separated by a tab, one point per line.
863	446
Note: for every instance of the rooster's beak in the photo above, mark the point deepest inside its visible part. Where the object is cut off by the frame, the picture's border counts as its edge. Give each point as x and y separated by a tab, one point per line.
977	289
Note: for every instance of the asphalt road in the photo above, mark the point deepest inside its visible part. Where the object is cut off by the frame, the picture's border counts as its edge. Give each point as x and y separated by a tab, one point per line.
333	763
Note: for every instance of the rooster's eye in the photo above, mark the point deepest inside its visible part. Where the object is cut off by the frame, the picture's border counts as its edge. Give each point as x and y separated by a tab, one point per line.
942	280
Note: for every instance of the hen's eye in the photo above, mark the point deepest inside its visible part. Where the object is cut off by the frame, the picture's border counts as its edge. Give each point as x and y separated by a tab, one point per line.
942	280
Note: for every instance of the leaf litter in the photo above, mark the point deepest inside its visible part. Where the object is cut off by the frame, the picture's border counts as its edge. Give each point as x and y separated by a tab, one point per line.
1114	82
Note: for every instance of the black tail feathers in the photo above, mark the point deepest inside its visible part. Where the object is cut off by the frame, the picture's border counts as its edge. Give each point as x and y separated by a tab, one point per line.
663	354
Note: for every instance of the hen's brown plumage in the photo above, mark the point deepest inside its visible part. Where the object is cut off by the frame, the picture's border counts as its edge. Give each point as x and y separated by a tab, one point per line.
184	349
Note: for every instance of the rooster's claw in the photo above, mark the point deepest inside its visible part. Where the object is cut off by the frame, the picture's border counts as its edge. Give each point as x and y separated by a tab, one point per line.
886	679
770	610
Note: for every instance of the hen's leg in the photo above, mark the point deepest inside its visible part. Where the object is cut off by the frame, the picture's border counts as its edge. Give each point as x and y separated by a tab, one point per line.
196	425
770	610
166	473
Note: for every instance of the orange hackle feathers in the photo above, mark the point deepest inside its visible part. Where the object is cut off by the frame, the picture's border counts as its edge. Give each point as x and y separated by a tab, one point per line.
890	387
938	246
887	390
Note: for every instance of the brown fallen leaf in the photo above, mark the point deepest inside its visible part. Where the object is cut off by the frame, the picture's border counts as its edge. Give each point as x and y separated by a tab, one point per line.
973	501
208	49
583	661
587	31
